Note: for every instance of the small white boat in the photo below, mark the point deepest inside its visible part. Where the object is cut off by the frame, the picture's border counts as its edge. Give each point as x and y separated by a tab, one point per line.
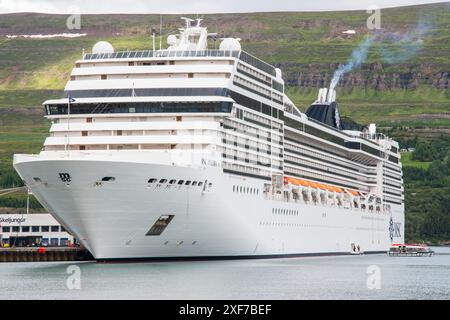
410	250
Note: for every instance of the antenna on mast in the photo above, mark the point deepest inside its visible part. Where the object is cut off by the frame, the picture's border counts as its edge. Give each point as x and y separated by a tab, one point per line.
153	36
160	32
188	21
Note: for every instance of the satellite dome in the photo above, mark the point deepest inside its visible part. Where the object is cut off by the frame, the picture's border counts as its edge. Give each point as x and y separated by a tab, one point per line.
230	44
102	47
172	40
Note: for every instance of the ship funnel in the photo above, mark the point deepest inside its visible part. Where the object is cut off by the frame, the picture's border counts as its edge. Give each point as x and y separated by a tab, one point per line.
331	95
325	109
326	95
322	97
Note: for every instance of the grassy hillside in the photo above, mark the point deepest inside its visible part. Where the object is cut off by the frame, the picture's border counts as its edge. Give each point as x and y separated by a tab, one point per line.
410	98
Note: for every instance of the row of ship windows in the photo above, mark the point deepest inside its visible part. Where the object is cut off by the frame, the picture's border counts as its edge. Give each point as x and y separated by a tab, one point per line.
275	97
250	131
397	178
252	86
285	212
327	169
278	86
149	75
256	89
261	138
33	229
253	73
396	194
326	158
178	182
392	200
260	143
255	128
316	145
246	170
250	157
141	107
252	145
118	147
305	165
387	165
391	184
303	225
330	138
253	119
257	63
256	105
393	174
274	165
247	190
241	114
149	132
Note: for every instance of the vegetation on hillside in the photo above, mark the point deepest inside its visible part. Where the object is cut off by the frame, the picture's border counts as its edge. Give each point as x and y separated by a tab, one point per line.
427	190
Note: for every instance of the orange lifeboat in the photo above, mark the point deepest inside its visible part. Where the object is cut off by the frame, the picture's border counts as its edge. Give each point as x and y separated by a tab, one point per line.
315	185
353	192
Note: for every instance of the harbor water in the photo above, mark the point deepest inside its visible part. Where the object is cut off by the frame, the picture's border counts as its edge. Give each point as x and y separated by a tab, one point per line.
332	277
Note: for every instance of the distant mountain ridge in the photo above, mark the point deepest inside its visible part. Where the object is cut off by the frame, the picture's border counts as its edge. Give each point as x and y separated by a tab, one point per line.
308	46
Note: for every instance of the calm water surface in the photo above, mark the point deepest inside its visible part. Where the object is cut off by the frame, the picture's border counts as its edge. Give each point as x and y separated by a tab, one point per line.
341	277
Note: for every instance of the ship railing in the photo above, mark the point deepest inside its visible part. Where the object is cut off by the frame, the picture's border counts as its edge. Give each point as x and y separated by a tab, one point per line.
162	54
167	53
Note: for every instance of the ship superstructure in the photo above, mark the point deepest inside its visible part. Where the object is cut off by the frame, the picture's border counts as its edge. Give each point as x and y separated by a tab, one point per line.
196	152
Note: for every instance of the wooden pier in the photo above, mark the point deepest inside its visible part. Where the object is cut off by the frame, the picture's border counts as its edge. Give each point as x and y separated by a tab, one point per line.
36	254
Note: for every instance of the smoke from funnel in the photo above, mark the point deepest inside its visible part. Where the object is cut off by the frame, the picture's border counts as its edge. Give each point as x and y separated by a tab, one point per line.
359	55
394	47
405	46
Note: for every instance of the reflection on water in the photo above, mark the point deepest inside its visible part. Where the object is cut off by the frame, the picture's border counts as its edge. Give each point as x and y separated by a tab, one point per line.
342	277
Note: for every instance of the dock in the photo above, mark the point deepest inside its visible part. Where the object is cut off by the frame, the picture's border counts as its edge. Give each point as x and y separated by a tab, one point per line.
36	254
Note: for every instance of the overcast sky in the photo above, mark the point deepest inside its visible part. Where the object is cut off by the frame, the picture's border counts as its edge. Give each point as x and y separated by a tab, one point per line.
194	6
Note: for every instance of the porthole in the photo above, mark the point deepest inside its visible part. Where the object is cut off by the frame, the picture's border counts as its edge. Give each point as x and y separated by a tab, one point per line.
200	183
111	179
152	180
181	182
194	183
188	182
163	181
172	181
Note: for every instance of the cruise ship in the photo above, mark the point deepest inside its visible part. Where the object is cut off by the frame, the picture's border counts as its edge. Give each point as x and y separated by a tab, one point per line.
193	152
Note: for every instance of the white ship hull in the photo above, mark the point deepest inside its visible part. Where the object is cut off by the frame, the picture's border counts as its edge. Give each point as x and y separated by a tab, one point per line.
112	220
